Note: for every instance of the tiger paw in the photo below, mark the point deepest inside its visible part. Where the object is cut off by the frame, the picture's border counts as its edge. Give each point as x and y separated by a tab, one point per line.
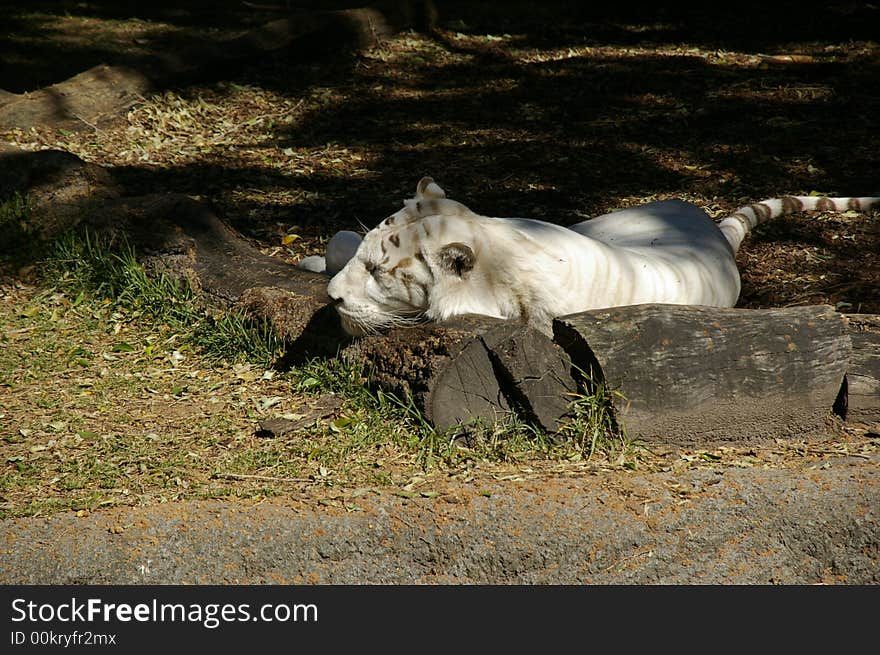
341	247
313	263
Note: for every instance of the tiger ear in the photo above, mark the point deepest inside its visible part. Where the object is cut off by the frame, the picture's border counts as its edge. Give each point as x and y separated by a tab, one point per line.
428	188
456	258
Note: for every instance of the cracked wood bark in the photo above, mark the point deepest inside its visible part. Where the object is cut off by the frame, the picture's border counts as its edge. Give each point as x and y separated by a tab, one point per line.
99	95
861	402
692	376
471	368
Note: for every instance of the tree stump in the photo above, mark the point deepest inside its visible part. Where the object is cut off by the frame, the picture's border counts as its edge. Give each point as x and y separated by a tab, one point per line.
861	398
471	368
692	376
303	318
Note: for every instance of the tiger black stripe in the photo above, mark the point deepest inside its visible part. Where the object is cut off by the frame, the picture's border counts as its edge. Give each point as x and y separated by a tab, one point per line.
746	221
762	211
523	307
420	256
406	262
790	205
406	280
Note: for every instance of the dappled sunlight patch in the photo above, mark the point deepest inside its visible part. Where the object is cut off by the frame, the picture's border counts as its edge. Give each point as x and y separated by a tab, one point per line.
108	403
105	408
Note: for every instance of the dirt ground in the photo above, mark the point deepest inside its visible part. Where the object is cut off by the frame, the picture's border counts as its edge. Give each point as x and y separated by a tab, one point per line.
546	111
734	526
551	112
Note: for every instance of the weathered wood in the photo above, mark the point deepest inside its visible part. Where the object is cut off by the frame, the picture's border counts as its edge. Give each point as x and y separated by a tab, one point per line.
469	369
301	317
182	237
89	100
444	370
60	187
534	373
861	398
693	376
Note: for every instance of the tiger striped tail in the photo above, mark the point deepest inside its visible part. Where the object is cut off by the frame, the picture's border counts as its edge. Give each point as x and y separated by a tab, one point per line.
736	226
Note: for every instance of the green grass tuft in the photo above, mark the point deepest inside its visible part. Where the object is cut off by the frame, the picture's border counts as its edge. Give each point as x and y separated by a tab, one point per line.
591	431
233	337
593	427
87	264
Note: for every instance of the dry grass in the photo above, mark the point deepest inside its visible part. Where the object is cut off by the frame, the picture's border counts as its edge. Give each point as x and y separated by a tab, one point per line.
527	116
559	132
104	406
103	409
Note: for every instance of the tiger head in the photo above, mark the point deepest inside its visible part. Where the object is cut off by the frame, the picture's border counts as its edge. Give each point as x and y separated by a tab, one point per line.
424	262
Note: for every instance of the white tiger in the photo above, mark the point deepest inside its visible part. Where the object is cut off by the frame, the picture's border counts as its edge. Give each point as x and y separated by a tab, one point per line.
436	259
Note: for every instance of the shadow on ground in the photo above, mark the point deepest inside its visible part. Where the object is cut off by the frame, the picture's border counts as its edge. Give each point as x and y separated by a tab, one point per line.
554	112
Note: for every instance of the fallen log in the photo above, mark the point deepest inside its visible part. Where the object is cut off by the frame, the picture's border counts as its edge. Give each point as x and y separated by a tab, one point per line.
861	395
179	236
176	236
60	187
182	238
470	369
692	376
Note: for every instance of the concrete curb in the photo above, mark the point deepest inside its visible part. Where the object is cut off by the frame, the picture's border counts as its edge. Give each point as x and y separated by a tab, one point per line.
721	526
